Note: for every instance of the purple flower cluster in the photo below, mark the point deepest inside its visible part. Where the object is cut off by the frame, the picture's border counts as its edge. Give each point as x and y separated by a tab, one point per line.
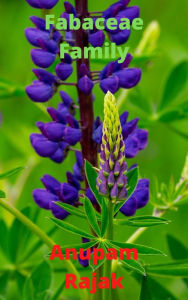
135	139
55	191
47	49
57	136
117	11
115	76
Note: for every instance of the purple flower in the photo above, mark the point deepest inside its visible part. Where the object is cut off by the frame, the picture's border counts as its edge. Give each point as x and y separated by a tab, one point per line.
57	136
120	10
85	85
42	58
78	167
42	89
42	145
55	191
39	91
40	38
91	196
85	262
115	76
138	199
46	4
97	38
64	69
53	131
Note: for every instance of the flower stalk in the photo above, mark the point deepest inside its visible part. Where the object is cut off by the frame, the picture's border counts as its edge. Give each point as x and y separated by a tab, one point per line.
109	236
89	147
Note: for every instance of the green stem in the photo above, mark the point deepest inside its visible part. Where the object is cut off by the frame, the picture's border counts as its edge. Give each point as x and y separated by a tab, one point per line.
108	263
42	235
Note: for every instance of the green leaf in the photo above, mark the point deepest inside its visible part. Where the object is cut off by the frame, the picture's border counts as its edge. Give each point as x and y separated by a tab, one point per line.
11	173
143	250
91	216
177	249
173	115
78	246
176	83
4	278
102	261
71	209
2	194
71	228
145	293
91	175
130	264
41	278
142	221
28	293
174	269
152	290
3	236
132	176
104	217
20	280
133	265
59	291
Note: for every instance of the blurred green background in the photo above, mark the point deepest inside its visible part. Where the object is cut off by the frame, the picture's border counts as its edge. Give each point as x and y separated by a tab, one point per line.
166	151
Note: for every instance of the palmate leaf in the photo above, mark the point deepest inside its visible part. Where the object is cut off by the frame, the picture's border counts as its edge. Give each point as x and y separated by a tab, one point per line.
132	176
142	250
142	221
172	269
133	265
79	246
102	261
71	209
71	228
11	173
130	264
175	84
91	216
91	175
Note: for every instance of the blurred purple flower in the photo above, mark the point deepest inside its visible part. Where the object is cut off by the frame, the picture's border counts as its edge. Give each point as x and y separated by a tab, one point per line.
53	192
138	199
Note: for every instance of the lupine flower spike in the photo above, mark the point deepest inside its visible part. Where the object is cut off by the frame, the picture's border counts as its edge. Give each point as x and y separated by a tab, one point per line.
111	180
